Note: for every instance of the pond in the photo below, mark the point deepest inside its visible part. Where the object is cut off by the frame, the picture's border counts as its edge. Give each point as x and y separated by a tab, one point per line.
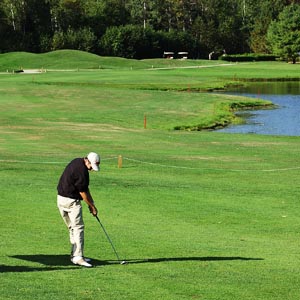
284	120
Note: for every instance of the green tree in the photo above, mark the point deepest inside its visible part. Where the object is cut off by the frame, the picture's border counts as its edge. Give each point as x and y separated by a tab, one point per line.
15	13
37	24
219	26
262	15
211	25
284	34
26	21
5	31
80	39
130	41
138	11
115	13
68	14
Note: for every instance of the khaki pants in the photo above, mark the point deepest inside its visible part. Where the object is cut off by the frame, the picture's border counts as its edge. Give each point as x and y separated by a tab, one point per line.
71	212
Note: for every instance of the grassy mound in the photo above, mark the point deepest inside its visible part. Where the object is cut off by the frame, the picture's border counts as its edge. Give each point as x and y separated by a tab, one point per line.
63	60
74	59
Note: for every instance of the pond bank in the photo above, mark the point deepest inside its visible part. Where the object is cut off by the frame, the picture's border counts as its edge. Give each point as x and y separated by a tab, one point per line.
281	121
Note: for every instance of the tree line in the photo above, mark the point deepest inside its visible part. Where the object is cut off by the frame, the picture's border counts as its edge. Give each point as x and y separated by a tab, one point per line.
140	28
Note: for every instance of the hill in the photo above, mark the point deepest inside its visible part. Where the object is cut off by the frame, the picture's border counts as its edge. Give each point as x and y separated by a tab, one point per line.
74	59
63	60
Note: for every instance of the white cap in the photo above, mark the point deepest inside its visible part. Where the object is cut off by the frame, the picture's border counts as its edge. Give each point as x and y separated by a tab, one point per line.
94	159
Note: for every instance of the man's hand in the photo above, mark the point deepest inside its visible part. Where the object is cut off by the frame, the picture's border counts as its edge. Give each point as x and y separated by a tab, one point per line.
93	210
88	199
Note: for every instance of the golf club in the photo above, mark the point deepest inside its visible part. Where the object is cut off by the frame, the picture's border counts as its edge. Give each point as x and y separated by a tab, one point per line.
123	262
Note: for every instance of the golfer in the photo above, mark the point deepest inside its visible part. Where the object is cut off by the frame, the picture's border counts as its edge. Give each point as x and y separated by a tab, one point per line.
73	187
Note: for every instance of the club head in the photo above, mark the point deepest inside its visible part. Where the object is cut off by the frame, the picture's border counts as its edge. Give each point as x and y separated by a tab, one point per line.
124	262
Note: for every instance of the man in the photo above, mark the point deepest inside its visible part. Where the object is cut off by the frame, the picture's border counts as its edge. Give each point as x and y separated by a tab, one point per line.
73	186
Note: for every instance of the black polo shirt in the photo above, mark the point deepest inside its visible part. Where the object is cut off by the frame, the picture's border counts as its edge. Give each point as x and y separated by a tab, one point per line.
74	179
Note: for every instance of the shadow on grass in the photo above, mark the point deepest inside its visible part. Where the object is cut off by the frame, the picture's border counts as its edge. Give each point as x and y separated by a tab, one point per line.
208	258
62	262
48	263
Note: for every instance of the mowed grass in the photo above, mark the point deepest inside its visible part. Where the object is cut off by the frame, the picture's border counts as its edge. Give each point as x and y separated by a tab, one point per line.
72	59
197	215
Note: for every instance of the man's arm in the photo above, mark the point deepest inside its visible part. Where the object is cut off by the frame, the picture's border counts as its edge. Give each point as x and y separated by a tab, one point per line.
88	199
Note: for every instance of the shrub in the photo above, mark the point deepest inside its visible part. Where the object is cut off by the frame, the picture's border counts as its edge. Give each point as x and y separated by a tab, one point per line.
248	57
132	41
82	39
128	41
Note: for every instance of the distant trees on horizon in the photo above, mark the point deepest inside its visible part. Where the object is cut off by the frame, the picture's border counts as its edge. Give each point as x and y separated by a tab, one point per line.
146	28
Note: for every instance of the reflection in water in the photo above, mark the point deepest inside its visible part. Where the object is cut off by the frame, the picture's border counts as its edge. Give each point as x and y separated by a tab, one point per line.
271	88
284	120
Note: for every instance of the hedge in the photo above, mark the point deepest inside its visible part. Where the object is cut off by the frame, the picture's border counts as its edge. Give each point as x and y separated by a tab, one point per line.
248	57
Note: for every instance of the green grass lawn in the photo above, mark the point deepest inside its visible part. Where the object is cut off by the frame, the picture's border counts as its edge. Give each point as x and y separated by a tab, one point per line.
197	215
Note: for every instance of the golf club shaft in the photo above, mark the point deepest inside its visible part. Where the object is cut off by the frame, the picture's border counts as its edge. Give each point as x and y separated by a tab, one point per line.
112	245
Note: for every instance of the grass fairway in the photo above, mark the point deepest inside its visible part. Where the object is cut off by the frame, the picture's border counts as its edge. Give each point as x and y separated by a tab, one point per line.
197	215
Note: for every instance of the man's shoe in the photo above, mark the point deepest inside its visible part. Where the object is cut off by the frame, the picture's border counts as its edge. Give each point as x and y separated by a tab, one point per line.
78	260
85	258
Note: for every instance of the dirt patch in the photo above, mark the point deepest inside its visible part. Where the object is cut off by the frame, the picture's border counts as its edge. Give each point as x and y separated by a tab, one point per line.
208	158
91	127
32	71
261	144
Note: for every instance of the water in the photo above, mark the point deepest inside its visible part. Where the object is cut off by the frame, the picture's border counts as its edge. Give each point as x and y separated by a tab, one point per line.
284	120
